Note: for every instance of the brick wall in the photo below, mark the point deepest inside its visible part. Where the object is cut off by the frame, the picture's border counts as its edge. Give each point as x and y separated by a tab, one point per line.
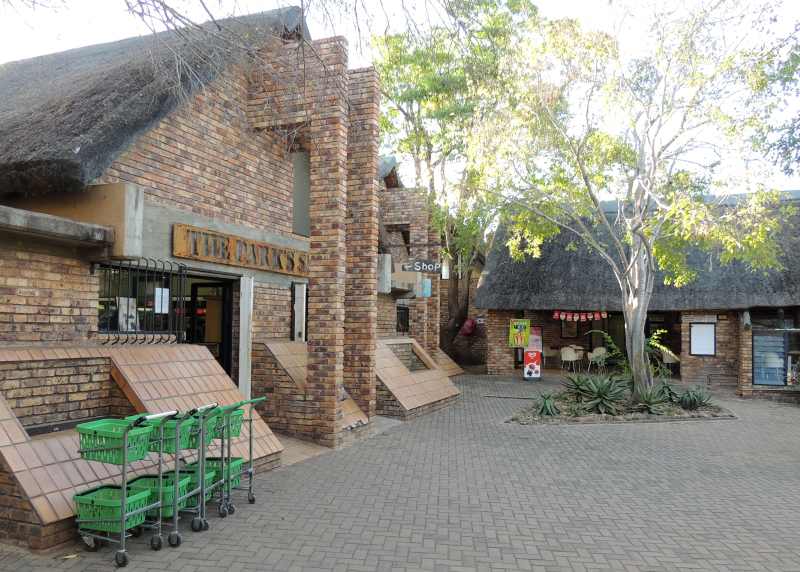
724	366
362	238
271	320
47	292
205	158
745	386
18	520
58	391
387	316
499	357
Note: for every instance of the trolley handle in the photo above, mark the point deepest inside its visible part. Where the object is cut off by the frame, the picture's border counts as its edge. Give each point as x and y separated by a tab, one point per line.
157	416
201	409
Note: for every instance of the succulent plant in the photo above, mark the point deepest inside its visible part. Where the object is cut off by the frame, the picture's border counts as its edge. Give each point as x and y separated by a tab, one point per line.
547	406
651	400
604	394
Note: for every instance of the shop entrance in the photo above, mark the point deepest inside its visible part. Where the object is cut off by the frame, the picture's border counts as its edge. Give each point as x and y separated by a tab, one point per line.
211	318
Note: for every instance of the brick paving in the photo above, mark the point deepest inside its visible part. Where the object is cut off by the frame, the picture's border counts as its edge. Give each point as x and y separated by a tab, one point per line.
461	490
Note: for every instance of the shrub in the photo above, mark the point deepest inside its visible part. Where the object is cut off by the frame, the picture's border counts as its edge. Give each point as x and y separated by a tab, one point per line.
651	400
547	407
694	398
604	394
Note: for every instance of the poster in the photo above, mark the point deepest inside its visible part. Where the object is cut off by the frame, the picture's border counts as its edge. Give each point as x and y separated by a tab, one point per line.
162	300
127	315
532	360
518	333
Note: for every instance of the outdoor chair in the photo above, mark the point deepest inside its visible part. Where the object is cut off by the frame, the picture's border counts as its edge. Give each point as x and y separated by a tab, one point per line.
549	353
670	360
569	358
598	358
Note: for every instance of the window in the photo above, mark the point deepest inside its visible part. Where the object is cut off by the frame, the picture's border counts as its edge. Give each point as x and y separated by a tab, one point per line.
569	329
299	311
702	339
301	193
142	301
402	320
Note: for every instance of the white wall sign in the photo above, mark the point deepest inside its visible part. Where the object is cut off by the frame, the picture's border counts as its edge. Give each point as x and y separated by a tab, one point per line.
703	339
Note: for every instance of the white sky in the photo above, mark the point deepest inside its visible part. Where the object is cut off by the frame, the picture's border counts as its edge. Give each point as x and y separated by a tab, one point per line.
74	23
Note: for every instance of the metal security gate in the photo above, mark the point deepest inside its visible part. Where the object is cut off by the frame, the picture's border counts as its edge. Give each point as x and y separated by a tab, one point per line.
142	301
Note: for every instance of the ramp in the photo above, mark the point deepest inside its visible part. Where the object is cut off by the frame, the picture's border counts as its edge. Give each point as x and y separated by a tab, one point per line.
292	357
45	471
405	390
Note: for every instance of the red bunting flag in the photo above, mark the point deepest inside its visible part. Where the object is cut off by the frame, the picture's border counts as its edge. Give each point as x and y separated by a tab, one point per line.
597	316
604	315
556	315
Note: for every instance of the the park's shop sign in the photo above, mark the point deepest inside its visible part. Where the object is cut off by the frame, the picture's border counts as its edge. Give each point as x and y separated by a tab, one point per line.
425	266
209	246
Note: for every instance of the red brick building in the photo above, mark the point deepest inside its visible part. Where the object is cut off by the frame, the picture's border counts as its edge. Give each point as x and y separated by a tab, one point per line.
162	219
730	327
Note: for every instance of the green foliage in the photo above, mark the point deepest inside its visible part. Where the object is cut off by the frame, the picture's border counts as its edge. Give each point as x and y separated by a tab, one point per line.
575	386
694	398
651	400
604	394
547	405
668	391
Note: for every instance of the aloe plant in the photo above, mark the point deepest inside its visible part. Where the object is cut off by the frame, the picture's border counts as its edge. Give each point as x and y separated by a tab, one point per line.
694	398
605	394
651	400
547	407
575	386
668	391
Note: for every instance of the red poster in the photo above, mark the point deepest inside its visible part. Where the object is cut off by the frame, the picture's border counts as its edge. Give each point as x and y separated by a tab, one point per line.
532	362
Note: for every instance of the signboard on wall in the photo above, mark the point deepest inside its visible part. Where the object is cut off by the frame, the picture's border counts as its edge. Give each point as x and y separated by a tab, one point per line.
210	246
518	333
426	266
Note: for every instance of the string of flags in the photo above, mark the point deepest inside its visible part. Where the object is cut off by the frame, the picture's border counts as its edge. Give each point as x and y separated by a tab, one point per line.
579	316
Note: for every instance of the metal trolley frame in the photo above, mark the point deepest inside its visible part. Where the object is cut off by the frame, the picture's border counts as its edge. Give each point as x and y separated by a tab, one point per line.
92	536
226	505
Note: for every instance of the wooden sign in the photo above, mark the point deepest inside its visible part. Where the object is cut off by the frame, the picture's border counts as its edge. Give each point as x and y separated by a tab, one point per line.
211	246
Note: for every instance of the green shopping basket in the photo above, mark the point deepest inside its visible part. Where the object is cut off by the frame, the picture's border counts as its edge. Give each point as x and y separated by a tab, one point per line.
210	421
233	420
101	440
187	427
150	483
100	509
193	470
233	472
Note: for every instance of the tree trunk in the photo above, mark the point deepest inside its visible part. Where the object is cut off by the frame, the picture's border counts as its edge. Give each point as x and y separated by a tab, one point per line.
638	289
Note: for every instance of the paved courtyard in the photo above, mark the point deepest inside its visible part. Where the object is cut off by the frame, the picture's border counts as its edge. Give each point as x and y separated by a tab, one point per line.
461	490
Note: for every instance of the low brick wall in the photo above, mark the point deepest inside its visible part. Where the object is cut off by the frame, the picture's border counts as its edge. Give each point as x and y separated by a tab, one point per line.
49	392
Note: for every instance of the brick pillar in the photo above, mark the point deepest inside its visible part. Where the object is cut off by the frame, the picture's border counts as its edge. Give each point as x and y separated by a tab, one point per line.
745	381
499	357
418	236
327	146
361	311
434	309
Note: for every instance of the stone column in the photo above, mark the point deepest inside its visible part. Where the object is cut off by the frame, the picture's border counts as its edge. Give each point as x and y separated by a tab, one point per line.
361	304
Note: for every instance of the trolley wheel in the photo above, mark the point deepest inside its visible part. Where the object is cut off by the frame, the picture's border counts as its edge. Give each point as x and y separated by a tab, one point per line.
121	559
197	524
205	524
222	511
136	531
174	539
251	498
156	542
231	508
90	544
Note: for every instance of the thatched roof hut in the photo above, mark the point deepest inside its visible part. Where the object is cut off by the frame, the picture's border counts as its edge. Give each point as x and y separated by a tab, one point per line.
580	280
65	117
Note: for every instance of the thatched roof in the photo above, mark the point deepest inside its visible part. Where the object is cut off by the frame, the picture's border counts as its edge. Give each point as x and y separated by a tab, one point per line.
563	279
65	117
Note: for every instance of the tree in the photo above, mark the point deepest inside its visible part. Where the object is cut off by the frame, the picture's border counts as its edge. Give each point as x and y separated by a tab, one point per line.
623	152
435	84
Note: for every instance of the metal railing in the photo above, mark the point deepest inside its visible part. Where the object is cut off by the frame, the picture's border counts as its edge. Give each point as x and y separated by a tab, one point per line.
142	301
